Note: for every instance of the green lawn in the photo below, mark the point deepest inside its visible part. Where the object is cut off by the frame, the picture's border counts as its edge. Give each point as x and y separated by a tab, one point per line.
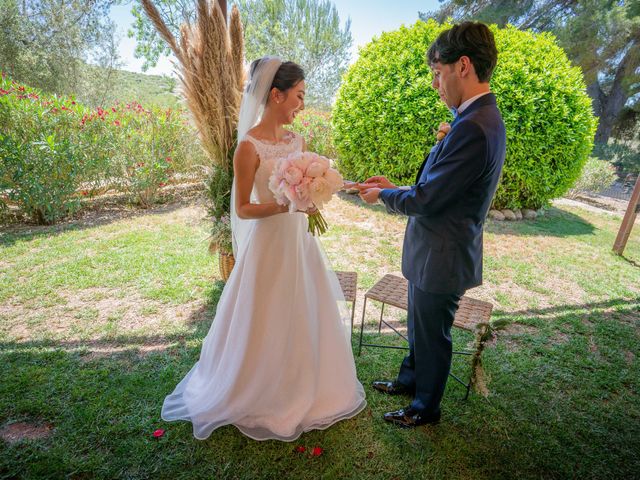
100	318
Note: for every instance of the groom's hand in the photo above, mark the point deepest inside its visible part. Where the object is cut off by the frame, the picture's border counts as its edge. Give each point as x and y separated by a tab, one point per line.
378	182
370	195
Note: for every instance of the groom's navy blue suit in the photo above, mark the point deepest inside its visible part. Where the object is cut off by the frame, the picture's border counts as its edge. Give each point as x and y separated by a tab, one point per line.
442	252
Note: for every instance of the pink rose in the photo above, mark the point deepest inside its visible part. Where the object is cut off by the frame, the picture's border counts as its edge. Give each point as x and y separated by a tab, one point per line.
302	189
293	175
320	192
301	161
334	178
317	168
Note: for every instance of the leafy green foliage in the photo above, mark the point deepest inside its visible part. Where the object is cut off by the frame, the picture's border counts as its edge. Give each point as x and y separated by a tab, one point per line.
596	176
56	151
49	44
387	114
623	151
219	192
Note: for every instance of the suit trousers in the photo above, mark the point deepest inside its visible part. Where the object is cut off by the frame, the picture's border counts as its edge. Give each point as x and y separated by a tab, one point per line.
426	368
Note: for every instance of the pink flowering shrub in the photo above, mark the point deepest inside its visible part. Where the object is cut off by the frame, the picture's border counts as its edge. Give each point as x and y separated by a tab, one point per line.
315	127
55	151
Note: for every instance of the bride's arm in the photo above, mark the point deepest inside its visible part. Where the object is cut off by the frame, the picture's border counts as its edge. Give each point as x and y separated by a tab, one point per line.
245	164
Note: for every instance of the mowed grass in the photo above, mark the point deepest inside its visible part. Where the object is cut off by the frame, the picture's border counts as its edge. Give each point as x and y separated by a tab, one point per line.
100	319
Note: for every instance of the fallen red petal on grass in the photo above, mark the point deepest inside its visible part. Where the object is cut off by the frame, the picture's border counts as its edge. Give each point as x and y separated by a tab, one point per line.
300	449
316	452
158	433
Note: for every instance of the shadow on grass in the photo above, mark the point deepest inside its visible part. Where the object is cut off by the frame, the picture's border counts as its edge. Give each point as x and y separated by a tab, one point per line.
555	223
615	303
87	220
354	199
199	322
555	411
630	261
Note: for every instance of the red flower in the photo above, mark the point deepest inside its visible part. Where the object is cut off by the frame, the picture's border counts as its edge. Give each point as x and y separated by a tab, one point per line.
169	159
316	452
4	92
300	449
162	184
113	109
84	193
21	88
158	433
117	123
73	103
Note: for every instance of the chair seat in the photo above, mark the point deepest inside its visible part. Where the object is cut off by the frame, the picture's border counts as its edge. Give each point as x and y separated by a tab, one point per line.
473	315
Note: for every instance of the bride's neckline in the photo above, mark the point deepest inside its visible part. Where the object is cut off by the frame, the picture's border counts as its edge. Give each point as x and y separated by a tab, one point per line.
287	138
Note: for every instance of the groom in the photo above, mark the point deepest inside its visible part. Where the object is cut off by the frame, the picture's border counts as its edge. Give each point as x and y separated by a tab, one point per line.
442	253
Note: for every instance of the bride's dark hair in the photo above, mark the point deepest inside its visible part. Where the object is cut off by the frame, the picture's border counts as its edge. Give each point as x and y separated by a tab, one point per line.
288	75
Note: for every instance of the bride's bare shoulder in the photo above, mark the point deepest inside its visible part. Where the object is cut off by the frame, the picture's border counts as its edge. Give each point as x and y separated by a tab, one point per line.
246	149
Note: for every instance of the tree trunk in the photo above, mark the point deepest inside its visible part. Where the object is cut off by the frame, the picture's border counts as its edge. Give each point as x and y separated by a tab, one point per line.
609	111
608	106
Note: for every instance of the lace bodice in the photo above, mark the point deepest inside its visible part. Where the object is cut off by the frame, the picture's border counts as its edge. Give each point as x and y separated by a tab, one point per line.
269	154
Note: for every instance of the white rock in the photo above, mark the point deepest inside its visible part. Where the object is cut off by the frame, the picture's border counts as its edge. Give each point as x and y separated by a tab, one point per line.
508	214
496	215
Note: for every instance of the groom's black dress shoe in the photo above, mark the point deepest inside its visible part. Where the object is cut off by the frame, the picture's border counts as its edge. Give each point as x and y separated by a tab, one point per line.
392	388
409	418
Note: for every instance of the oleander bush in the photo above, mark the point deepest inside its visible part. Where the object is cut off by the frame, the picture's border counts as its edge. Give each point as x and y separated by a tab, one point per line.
55	151
315	127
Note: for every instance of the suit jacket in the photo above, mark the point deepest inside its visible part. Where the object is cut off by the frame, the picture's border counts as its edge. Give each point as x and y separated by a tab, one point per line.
447	206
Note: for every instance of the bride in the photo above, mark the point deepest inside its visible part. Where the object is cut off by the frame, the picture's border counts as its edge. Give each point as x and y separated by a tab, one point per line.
277	360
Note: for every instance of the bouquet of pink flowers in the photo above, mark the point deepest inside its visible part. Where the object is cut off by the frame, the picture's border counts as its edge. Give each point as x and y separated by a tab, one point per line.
305	181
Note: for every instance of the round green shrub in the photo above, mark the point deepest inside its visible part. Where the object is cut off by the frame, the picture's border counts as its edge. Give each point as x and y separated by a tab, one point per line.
386	114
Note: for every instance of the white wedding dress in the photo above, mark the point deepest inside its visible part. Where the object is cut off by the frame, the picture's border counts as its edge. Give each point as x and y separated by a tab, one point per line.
277	360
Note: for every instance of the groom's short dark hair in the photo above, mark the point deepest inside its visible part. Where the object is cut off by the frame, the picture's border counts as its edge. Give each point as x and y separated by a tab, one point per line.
471	39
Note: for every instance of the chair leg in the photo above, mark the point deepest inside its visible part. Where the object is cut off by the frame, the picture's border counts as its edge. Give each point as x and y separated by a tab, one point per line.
381	314
364	309
466	396
353	312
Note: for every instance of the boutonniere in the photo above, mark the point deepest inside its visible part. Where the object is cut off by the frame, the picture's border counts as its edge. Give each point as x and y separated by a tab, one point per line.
443	130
